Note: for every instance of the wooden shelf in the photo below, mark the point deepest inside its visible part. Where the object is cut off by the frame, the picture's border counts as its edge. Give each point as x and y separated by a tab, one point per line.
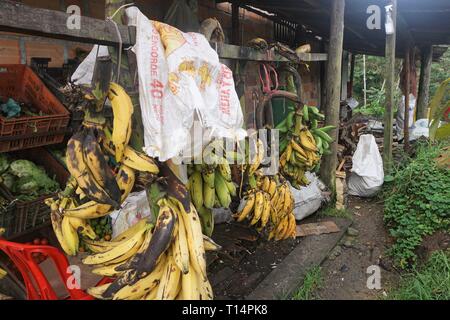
229	51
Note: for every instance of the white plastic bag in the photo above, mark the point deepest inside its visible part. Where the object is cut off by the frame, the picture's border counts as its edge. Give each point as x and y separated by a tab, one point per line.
180	78
308	199
420	129
134	208
367	172
84	72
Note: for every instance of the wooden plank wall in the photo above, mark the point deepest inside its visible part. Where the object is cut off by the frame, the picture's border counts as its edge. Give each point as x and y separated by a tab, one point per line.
252	26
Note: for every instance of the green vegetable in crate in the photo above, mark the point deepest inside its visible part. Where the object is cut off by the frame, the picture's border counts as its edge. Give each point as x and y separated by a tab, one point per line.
25	168
4	163
26	185
8	180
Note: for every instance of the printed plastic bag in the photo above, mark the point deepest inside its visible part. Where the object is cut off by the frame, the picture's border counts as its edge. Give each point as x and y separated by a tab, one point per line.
308	199
134	208
181	79
367	172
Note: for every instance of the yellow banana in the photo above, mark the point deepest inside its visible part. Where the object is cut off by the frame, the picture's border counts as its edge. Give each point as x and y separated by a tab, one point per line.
180	246
210	245
122	110
189	286
194	239
225	170
256	162
247	209
88	210
259	207
307	141
266	210
139	161
70	236
169	285
272	188
56	220
97	292
128	233
125	180
83	227
115	252
144	285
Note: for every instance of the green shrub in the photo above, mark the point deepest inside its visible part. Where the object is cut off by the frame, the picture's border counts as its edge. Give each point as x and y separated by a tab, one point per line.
417	204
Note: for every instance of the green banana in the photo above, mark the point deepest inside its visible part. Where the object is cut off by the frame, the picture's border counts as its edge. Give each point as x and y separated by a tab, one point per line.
305	113
207	220
323	135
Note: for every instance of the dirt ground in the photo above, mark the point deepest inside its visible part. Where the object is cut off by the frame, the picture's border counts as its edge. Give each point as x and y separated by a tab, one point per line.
344	272
244	261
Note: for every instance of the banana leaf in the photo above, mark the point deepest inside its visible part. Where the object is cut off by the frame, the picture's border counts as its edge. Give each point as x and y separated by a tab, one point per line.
437	108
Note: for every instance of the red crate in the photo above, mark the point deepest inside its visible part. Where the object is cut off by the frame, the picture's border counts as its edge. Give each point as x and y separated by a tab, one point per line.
22	84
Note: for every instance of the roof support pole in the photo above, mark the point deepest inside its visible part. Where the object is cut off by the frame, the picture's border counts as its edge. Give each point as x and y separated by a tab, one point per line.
333	89
424	82
407	91
390	87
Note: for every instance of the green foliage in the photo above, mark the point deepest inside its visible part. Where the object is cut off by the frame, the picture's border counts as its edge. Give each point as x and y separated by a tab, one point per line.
438	105
431	282
439	72
375	85
417	203
313	281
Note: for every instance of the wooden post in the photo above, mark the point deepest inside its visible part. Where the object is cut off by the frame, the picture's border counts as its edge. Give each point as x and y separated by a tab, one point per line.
128	78
235	25
333	86
352	73
389	102
424	82
407	90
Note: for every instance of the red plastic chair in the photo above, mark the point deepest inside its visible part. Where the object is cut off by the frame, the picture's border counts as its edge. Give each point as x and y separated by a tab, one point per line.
37	285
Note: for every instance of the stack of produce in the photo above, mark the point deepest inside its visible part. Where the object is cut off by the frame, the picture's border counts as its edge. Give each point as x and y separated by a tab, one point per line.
96	187
24	179
165	262
269	205
302	144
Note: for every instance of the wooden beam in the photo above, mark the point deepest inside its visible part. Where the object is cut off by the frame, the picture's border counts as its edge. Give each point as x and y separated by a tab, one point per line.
333	85
20	18
229	51
424	81
390	91
407	90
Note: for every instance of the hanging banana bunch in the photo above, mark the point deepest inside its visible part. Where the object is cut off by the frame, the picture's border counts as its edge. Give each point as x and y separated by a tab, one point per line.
268	205
302	144
103	172
161	262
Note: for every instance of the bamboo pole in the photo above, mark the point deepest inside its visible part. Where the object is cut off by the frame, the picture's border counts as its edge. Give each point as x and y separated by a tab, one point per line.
407	90
389	100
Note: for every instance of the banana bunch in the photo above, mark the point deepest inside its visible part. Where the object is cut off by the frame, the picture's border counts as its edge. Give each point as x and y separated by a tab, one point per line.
210	185
302	144
164	262
102	167
269	206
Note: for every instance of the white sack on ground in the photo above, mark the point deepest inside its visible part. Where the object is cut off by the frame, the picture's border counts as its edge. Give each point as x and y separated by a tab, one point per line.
367	172
308	199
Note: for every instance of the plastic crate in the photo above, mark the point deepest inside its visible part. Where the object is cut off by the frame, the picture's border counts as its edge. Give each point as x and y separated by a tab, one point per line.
7	213
26	216
22	84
